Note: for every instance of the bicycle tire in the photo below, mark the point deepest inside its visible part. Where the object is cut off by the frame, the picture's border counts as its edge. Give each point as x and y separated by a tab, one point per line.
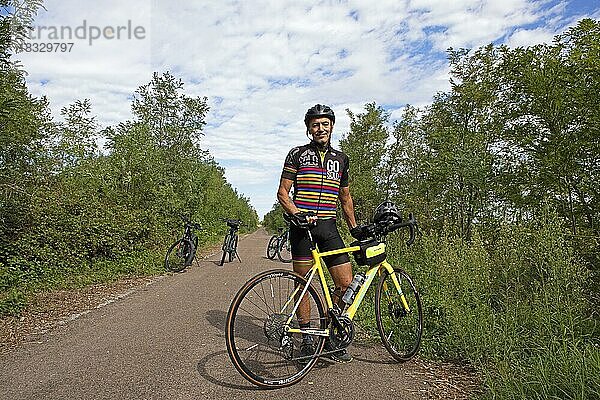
284	250
178	256
400	331
195	249
256	342
195	241
233	247
225	247
272	247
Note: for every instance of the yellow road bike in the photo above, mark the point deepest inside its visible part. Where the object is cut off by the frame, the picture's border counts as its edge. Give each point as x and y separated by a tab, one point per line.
263	335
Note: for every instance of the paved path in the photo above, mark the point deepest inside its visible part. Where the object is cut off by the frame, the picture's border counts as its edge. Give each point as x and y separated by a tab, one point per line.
166	341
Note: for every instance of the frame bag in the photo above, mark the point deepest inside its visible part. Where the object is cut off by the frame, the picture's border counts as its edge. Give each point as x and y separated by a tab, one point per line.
370	253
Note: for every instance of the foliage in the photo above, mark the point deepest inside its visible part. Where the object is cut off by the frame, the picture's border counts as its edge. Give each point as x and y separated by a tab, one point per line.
73	214
502	173
16	20
514	308
368	135
273	220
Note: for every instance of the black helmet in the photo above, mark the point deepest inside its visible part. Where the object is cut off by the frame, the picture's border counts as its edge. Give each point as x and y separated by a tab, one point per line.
319	111
386	212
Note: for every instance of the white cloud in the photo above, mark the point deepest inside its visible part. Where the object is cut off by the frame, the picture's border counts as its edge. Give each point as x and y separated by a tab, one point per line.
529	37
263	63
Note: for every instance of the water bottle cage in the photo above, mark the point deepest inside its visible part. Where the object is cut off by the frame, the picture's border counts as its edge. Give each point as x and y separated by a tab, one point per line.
353	288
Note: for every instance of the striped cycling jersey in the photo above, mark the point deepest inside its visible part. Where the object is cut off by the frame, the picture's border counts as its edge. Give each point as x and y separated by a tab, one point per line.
318	176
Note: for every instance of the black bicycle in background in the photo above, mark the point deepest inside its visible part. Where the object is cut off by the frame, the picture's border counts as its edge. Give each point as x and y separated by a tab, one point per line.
181	253
231	240
280	245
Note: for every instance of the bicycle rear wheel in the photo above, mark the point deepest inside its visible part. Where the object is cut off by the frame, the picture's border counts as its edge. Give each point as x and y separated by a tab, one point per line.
284	252
179	255
272	247
257	343
233	247
195	241
400	329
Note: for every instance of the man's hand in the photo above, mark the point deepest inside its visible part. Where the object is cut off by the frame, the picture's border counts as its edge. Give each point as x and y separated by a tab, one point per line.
300	218
305	218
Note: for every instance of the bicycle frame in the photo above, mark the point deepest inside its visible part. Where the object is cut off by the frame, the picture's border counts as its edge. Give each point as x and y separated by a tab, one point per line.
188	232
282	236
350	312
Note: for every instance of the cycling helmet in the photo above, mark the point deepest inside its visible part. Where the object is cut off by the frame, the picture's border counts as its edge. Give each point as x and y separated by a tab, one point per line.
319	111
386	212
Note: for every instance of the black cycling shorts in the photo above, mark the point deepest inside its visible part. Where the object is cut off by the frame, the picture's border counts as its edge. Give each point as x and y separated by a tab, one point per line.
327	238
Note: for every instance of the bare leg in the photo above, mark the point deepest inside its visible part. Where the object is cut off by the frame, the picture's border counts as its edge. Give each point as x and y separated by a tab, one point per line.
342	277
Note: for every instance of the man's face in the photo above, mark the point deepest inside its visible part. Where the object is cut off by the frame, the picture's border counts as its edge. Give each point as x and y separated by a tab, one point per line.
320	129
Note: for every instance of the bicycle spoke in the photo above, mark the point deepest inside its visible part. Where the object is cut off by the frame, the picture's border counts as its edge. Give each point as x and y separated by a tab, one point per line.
272	247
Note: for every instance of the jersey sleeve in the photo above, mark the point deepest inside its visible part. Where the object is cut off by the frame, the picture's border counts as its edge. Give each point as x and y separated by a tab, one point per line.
345	173
290	166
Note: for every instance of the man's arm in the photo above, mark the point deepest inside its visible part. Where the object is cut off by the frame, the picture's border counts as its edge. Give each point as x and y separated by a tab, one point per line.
347	206
283	195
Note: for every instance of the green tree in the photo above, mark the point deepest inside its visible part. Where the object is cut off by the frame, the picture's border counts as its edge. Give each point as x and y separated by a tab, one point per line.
365	146
174	120
25	128
273	220
406	166
16	19
553	123
77	134
461	128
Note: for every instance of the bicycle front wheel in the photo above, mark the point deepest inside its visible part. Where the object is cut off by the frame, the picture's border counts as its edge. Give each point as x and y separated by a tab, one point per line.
272	247
258	344
284	252
178	254
225	248
400	328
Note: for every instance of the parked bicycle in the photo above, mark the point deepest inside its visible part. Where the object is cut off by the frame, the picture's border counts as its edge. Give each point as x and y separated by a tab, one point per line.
279	245
231	240
264	338
181	254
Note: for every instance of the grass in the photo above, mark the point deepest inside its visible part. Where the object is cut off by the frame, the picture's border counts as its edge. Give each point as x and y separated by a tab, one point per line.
14	300
513	307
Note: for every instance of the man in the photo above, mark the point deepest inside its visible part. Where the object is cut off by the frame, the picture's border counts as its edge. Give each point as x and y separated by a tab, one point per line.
319	175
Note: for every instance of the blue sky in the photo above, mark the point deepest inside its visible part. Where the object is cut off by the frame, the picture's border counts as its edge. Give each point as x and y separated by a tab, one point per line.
263	63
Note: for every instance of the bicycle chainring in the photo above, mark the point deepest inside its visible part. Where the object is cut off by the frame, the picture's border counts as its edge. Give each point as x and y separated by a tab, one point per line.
341	338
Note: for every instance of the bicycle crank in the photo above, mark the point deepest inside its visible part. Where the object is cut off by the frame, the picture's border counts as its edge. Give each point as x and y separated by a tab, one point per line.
342	332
